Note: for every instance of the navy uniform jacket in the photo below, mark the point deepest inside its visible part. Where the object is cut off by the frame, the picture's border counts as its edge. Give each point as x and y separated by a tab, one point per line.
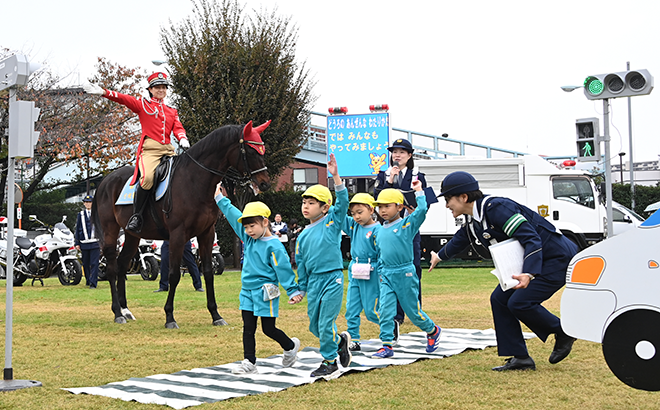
83	235
404	184
547	251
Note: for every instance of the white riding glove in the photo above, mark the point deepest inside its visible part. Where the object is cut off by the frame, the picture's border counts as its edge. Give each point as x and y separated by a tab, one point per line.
93	89
183	143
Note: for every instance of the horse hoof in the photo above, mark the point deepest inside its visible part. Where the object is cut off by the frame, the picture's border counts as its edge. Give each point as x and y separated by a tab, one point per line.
171	325
127	314
121	320
220	322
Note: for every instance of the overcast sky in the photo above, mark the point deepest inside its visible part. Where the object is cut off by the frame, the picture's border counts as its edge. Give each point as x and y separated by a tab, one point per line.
482	71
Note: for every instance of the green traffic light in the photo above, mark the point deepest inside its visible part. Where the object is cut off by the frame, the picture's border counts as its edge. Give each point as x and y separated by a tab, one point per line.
594	85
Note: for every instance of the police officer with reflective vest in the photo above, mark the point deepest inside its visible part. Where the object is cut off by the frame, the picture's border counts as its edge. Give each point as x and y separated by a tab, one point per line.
547	254
158	121
87	243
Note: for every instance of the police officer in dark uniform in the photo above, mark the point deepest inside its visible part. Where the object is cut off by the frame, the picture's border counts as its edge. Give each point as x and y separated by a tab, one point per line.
547	255
87	243
400	175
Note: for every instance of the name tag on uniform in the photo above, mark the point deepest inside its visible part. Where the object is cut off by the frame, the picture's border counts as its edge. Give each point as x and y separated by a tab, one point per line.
271	291
361	271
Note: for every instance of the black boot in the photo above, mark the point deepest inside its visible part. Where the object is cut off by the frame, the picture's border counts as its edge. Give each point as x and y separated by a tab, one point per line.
135	222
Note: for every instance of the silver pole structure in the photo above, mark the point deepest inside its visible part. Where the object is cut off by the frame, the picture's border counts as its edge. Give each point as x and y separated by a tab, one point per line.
608	166
630	144
8	373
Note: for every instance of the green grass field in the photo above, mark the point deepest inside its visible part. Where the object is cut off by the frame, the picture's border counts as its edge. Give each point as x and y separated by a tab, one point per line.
66	337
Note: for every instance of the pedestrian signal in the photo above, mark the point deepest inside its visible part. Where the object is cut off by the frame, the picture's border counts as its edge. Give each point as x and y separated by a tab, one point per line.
588	144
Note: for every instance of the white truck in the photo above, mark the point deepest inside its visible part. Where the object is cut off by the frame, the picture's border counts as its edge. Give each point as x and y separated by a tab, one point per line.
567	198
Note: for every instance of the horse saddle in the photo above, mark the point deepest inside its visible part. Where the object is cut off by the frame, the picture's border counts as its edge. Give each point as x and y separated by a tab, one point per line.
161	181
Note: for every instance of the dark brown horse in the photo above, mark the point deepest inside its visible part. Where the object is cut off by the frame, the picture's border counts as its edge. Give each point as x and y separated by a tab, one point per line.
226	153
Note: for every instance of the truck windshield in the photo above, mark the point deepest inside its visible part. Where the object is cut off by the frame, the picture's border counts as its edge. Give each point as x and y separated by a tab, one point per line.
576	190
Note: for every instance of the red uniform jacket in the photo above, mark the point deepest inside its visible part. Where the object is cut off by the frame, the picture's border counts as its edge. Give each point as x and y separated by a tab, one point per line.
158	120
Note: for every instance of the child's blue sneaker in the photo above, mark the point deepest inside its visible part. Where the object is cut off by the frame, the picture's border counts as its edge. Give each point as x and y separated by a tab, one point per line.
433	340
383	353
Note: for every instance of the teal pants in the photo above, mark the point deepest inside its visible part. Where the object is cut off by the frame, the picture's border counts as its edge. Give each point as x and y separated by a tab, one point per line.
325	293
401	282
361	295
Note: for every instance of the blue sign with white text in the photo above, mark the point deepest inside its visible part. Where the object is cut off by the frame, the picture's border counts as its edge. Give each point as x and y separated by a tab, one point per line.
359	143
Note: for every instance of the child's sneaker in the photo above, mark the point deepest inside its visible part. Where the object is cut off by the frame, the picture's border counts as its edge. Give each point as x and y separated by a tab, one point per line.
396	332
325	369
354	347
433	340
383	353
344	352
245	367
290	356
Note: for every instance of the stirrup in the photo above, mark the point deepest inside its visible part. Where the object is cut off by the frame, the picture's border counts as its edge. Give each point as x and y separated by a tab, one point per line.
134	223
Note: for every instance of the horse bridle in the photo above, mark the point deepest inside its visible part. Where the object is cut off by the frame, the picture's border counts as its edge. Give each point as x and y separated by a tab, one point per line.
232	173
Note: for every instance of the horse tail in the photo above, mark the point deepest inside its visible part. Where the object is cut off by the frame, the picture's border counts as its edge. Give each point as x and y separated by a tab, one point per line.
97	222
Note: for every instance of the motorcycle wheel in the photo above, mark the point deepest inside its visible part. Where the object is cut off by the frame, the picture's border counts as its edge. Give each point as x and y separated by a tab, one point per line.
218	264
151	273
71	274
102	272
19	278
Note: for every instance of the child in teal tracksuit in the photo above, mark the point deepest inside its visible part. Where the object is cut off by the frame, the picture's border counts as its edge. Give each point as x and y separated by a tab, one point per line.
363	281
320	269
266	263
398	278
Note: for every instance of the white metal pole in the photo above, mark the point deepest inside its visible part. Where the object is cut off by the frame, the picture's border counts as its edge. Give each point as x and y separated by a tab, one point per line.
608	166
8	373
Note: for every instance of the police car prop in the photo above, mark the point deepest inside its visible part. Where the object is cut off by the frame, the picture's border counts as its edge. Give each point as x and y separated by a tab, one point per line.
612	297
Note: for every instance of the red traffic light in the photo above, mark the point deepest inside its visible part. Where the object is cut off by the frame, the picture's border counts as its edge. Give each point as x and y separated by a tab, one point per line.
338	110
379	107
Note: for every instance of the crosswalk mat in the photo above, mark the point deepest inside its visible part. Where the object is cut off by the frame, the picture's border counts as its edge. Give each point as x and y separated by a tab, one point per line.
210	384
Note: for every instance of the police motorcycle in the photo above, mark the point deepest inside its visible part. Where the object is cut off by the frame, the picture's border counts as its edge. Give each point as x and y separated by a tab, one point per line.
50	253
144	262
217	260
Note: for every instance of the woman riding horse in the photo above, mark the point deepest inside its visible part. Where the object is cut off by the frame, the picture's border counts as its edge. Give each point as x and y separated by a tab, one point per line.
231	152
158	121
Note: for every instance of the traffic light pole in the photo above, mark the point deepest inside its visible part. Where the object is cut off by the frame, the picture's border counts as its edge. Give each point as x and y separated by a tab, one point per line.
608	167
8	382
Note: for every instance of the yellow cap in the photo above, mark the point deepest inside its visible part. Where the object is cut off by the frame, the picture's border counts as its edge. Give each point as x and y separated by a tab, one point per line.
363	198
390	196
319	192
256	208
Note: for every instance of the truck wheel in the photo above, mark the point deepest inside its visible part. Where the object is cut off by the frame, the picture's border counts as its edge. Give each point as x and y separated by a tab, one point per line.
151	273
631	347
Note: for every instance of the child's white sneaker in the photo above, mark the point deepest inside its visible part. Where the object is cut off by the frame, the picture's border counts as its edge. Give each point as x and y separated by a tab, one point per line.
245	367
290	356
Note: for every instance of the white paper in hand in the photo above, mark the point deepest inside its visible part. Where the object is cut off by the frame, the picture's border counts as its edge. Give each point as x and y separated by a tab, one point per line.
508	257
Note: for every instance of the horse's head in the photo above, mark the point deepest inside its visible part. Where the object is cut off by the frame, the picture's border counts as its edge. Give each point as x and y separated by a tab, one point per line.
251	161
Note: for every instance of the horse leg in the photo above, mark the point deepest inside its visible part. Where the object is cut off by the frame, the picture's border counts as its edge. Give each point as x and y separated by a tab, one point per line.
176	254
127	253
110	253
205	241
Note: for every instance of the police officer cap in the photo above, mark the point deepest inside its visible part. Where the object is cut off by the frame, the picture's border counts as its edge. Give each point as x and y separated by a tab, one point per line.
403	144
88	198
458	182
